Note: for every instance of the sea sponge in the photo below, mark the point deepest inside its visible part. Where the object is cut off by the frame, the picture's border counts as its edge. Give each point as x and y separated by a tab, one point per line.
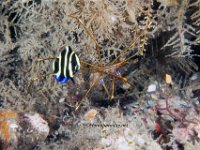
8	126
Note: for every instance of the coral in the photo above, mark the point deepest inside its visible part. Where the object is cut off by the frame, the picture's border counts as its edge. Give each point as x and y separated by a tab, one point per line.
38	124
135	41
186	33
135	135
8	126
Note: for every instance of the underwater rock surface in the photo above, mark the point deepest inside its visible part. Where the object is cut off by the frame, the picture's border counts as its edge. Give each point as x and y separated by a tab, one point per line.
138	86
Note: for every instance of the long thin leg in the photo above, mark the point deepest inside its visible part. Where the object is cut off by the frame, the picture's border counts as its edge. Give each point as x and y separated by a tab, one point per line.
41	77
95	67
130	45
88	91
37	78
43	59
106	89
89	32
100	69
113	88
121	63
148	22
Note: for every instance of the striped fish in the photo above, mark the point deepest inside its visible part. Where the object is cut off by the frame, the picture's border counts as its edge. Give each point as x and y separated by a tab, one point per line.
66	65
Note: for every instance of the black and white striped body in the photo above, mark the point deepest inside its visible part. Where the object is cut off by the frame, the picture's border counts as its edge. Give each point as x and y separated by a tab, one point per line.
66	65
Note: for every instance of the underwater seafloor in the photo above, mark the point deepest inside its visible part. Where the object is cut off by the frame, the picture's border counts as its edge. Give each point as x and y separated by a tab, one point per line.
139	83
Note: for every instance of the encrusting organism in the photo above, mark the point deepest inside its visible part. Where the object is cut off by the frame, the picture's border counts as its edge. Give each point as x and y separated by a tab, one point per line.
8	126
38	124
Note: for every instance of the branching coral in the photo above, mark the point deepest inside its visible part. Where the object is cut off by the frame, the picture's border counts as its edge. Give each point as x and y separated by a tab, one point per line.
184	23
